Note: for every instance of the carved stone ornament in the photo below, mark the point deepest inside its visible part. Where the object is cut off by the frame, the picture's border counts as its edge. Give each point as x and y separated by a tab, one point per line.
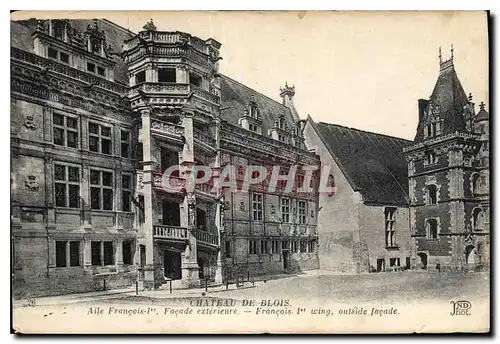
29	122
273	209
32	183
140	183
242	206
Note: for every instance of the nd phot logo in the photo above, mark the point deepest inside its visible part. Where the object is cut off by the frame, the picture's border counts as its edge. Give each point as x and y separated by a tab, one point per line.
461	307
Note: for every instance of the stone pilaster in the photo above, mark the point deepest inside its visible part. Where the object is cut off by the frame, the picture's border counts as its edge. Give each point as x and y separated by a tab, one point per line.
148	193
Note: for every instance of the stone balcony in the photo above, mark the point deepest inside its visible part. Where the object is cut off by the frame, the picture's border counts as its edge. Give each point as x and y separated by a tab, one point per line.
169	93
175	233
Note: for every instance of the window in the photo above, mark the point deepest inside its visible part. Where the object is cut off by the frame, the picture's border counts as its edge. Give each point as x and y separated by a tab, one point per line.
90	67
102	253
101	190
99	138
59	29
64	57
257	207
294	247
65	258
125	143
431	129
195	79
264	249
67	186
52	53
227	249
101	71
283	138
65	130
282	123
252	246
126	191
166	75
476	219
275	246
302	212
253	127
285	245
60	254
303	246
430	158
432	229
432	194
312	245
475	183
390	226
300	181
140	77
127	250
285	210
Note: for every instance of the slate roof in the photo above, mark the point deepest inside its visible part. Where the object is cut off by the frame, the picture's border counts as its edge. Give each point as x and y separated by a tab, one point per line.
236	96
20	33
482	115
372	163
449	95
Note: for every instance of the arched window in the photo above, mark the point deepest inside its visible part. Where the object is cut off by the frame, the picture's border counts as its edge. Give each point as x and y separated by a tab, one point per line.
432	229
430	158
477	218
432	194
475	183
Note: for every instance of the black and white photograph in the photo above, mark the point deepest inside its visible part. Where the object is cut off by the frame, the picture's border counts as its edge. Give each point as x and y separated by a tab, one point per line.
249	172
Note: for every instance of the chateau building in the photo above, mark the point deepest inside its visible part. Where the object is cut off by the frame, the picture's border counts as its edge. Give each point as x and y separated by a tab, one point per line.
448	171
364	224
109	132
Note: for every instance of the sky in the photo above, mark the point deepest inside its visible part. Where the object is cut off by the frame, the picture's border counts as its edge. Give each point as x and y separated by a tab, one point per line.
364	70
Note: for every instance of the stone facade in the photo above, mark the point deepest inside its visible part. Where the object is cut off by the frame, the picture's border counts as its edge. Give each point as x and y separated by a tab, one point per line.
448	170
351	227
98	114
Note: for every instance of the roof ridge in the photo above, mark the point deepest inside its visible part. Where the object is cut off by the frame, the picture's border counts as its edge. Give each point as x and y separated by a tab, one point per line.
365	131
118	26
262	94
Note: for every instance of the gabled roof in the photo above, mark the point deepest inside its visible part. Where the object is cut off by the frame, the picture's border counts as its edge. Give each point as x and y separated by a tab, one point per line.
372	163
482	115
236	97
450	98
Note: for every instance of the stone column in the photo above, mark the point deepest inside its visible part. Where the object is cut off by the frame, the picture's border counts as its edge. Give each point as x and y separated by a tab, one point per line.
119	254
189	262
68	256
219	216
87	256
49	191
150	280
118	199
85	198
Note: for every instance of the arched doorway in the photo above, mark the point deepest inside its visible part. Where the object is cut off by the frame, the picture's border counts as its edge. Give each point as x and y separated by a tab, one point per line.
471	257
423	260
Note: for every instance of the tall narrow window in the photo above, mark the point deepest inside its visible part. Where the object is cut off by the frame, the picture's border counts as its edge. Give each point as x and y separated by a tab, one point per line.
475	183
285	210
65	130
257	207
432	229
74	253
125	144
60	254
252	246
263	247
430	157
477	219
126	191
227	249
109	253
432	194
99	138
67	186
95	248
127	250
390	226
101	190
302	211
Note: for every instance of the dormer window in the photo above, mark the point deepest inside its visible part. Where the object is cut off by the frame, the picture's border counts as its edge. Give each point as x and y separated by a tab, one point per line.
255	128
90	67
101	71
253	111
52	53
282	123
64	57
59	29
